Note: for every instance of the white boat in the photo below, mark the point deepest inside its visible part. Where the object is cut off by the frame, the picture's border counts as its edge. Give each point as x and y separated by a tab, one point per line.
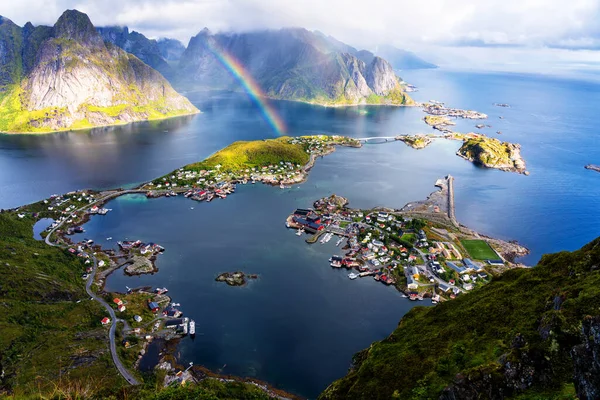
328	237
353	275
109	238
192	330
299	232
339	241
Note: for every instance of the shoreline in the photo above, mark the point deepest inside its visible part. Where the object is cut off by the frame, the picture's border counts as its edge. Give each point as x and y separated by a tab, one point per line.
102	126
101	198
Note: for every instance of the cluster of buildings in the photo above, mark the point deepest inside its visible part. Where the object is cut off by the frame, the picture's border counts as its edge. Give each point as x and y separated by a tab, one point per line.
389	247
438	108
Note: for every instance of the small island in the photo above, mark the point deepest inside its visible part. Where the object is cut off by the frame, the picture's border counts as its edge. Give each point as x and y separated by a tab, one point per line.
593	167
439	122
237	278
493	153
416	141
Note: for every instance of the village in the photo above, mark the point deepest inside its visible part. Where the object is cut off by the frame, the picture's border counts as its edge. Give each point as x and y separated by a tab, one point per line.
208	180
389	247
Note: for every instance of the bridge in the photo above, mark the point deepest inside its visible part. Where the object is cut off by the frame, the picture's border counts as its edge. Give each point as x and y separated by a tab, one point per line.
377	139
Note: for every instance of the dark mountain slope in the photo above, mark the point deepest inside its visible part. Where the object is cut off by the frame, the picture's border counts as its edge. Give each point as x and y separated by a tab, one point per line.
530	333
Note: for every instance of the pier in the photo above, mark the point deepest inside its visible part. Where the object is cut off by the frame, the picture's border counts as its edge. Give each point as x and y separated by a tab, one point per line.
451	214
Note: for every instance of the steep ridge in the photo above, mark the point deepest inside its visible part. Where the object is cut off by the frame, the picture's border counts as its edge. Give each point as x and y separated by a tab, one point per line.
67	77
139	45
291	64
532	333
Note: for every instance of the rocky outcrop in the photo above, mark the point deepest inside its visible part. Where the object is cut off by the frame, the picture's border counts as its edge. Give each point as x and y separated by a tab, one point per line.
492	153
67	77
293	64
586	360
237	278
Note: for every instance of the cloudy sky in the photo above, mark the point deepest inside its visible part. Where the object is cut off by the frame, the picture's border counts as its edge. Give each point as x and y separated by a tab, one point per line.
508	34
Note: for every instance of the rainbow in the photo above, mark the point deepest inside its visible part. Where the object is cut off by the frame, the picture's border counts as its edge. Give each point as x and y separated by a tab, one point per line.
251	87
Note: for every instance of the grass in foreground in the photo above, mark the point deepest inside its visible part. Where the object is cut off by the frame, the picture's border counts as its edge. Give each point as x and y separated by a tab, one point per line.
479	250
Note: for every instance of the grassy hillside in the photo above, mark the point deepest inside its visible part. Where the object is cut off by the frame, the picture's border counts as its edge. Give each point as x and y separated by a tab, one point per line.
257	153
520	336
49	341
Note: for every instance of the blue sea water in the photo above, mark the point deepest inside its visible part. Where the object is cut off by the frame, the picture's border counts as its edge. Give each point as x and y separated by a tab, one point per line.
300	323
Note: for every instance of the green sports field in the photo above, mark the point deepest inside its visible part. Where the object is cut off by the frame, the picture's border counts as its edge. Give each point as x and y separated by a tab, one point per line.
479	250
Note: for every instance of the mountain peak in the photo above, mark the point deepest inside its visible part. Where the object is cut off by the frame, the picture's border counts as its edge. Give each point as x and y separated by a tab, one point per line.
4	20
76	25
205	32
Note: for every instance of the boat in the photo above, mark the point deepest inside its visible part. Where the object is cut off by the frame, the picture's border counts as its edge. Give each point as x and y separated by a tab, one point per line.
162	290
192	330
281	186
353	275
339	241
109	238
299	232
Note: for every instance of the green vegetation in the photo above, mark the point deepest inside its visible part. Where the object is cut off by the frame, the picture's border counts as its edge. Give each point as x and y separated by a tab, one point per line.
48	337
434	120
491	153
258	153
409	237
479	250
515	336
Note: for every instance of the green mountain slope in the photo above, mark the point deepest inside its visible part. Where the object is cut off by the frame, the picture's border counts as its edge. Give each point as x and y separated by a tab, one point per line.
531	333
66	77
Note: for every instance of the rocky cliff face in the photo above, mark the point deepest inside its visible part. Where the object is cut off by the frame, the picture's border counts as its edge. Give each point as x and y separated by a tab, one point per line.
139	45
170	49
293	64
67	77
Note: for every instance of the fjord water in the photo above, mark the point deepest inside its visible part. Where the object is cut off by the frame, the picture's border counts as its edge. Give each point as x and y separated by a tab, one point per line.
299	324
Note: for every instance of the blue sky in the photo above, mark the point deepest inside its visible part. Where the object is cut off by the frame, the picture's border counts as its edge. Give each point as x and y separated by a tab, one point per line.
506	34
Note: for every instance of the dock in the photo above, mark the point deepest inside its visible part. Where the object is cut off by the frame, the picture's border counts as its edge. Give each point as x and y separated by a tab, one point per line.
451	213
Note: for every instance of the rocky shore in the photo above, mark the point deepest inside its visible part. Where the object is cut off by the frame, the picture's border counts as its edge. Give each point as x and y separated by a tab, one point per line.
237	278
593	167
492	153
415	141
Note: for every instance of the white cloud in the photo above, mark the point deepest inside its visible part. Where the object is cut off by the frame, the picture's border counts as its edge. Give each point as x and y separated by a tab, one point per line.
412	24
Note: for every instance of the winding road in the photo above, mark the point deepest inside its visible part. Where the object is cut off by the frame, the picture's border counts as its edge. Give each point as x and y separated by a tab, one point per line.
88	288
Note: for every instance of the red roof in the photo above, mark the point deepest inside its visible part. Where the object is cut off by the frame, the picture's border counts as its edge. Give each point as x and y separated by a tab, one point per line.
105	320
117	301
